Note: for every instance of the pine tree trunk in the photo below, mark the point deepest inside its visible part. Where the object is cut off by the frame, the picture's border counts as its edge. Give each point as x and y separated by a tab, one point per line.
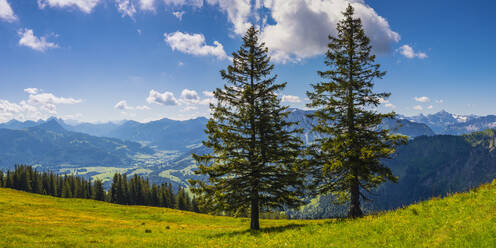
255	225
355	210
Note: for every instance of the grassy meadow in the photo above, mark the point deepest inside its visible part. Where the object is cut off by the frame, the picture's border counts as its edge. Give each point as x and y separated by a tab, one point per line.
30	220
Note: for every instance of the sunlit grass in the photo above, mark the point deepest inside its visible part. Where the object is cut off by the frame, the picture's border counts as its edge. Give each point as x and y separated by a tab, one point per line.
29	220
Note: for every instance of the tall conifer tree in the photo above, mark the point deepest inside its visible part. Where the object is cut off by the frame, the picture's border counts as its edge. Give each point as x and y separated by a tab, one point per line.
1	179
98	191
254	161
349	154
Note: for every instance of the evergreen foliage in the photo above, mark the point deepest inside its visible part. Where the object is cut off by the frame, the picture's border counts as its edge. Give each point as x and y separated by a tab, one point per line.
138	191
347	157
134	191
254	164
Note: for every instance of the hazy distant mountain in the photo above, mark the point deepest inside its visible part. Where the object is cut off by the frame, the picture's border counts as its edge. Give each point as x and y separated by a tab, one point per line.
49	144
18	125
472	125
401	126
165	134
440	120
406	127
96	129
446	123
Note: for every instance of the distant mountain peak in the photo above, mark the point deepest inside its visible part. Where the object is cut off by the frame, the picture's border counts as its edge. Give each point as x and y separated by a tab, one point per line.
51	124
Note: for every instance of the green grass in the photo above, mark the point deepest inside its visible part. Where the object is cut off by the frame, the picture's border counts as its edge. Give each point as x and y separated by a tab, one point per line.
30	220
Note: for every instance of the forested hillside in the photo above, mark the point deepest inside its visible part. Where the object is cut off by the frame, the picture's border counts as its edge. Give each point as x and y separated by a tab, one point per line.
426	167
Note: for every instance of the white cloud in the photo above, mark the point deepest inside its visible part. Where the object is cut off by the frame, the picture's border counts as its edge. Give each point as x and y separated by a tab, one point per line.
178	14
418	107
390	105
28	39
422	99
126	8
166	98
6	12
300	28
147	5
122	105
49	98
208	93
408	52
85	6
291	99
190	96
194	44
180	63
37	106
31	90
139	31
386	103
439	101
194	3
238	12
429	107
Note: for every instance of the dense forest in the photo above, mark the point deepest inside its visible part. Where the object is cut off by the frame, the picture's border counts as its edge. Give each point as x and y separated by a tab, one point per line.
135	190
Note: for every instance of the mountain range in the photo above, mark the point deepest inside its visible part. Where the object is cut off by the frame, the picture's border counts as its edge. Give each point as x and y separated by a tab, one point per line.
446	123
429	165
49	144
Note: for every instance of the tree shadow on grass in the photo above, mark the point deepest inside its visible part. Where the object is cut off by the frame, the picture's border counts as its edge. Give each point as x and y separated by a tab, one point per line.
276	229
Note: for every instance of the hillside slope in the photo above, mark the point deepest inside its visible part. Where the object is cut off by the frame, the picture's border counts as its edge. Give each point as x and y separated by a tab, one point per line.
29	220
50	145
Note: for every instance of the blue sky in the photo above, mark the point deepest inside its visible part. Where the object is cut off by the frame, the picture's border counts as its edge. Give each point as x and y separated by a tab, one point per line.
101	60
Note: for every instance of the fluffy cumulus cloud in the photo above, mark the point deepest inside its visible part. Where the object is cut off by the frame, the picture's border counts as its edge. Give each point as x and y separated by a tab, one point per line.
422	99
122	105
6	12
291	99
418	107
408	52
190	96
31	91
165	98
194	44
39	105
288	34
85	6
28	39
238	12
